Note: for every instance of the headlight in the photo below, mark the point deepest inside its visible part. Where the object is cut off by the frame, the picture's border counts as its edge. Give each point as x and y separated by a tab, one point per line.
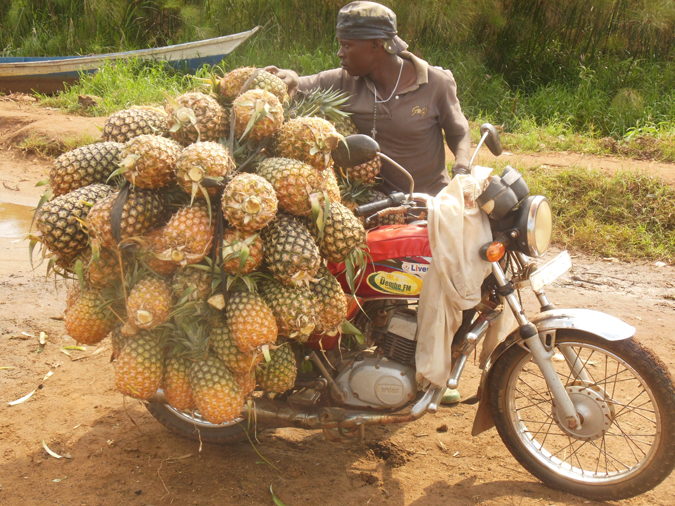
535	226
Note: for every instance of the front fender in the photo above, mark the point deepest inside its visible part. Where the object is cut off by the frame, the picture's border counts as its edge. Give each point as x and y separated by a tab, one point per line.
600	324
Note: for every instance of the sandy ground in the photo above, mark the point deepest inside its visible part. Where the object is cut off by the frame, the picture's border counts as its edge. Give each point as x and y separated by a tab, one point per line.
118	454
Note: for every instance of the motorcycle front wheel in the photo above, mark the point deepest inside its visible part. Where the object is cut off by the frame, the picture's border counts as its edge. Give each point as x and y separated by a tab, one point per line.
624	396
191	425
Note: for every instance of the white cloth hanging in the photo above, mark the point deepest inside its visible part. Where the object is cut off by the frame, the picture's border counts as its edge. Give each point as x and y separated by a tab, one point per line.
453	282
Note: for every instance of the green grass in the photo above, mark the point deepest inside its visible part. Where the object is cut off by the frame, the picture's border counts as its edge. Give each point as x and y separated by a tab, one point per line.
627	215
46	147
121	85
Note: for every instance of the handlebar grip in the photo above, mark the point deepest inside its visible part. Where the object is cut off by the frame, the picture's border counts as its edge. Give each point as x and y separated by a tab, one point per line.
393	200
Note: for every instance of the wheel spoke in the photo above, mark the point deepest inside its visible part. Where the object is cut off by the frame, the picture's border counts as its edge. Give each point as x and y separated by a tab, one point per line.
597	376
533	404
626	436
611	458
627	408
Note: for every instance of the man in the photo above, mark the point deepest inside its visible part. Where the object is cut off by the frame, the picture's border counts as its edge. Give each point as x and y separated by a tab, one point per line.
398	99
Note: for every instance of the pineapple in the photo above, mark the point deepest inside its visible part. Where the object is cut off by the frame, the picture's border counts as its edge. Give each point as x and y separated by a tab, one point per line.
119	340
278	375
176	384
150	253
223	345
257	114
196	117
342	234
231	84
189	234
215	390
250	320
345	125
331	302
193	283
290	251
139	366
332	186
366	172
140	213
129	123
295	183
246	382
84	166
103	269
294	309
148	304
59	221
200	160
148	161
249	202
308	139
88	320
238	245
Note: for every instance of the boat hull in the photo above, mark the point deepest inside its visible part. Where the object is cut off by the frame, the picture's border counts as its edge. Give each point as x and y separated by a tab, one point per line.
49	75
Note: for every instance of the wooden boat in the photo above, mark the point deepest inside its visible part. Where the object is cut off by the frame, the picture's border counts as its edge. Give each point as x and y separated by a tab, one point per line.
48	74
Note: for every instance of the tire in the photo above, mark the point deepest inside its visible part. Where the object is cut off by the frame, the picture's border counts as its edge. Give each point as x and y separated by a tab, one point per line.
626	444
193	427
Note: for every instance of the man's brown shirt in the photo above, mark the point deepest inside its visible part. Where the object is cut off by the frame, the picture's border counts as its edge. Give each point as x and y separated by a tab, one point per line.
409	126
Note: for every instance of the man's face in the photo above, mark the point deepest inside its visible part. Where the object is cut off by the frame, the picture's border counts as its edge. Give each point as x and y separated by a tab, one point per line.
357	56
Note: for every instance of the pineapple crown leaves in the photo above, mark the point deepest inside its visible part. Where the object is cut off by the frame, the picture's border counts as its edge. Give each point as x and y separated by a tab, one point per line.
188	332
355	268
325	103
346	327
205	267
212	82
358	191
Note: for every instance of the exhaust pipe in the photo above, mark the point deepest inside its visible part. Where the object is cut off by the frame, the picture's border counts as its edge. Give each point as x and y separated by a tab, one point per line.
277	414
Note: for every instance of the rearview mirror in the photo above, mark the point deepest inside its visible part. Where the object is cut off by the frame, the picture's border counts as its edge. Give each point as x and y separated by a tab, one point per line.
356	149
492	141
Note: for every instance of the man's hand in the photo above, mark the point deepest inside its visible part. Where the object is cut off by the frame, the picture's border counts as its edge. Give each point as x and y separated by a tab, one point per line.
289	77
459	168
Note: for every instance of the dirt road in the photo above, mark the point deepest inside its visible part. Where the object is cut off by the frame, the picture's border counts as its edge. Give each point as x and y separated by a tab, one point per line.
116	453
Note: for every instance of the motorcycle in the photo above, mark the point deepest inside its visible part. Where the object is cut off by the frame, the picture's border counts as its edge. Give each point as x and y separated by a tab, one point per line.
577	400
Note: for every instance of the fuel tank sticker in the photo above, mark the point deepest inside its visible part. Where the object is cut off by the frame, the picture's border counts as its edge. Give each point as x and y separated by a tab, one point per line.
397	283
416	268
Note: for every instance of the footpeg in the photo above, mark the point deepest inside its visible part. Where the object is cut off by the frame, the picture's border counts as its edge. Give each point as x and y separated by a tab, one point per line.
424	404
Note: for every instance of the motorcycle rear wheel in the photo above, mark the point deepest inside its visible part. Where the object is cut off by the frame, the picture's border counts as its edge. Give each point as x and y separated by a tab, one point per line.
192	426
626	445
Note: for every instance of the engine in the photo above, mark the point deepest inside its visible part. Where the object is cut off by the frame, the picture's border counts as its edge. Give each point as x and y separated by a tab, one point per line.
385	378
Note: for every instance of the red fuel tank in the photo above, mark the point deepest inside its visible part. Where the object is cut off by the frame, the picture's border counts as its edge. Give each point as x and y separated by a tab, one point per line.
400	258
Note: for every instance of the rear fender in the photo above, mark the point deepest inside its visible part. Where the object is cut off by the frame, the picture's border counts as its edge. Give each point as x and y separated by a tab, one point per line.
600	324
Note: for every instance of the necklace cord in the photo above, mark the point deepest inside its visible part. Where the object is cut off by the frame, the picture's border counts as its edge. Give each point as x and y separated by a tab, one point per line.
398	80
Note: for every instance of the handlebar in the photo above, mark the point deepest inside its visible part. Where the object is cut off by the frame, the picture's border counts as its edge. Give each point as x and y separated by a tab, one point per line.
393	200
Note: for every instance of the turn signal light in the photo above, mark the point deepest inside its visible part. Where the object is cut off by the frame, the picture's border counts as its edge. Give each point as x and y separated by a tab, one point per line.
495	252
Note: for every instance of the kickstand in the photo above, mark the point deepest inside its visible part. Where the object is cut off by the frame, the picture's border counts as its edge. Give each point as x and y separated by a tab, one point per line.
353	436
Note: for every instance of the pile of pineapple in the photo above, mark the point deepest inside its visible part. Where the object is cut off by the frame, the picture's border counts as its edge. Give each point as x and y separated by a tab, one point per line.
197	237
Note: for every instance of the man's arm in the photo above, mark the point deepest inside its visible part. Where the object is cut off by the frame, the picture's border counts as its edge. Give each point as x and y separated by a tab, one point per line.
455	126
460	145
